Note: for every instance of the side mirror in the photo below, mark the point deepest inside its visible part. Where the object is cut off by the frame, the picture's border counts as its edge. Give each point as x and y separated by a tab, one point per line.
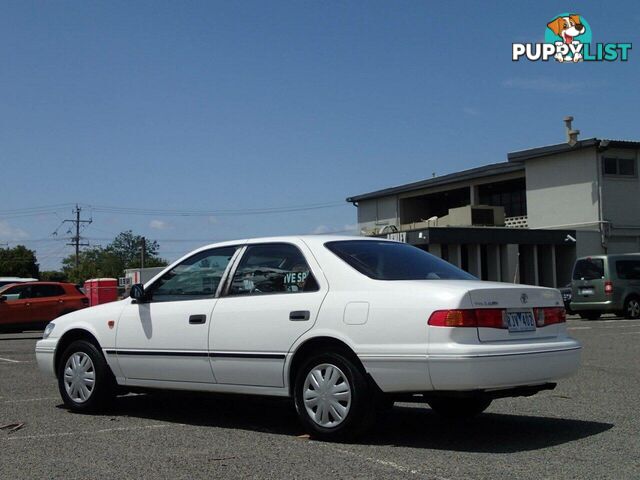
137	292
3	299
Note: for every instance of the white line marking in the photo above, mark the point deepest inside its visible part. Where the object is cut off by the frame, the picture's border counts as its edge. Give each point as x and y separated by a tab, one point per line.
30	400
386	463
9	360
93	432
578	328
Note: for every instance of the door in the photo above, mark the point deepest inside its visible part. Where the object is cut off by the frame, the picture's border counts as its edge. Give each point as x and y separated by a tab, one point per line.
46	301
16	309
165	338
273	298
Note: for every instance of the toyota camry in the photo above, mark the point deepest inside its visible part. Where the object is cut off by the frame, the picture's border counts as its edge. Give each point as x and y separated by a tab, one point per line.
344	326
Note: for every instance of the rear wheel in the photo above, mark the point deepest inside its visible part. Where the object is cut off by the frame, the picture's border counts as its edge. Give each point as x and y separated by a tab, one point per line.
332	397
632	308
459	408
590	315
85	381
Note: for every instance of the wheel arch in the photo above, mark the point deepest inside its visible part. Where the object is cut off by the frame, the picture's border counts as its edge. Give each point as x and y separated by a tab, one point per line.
68	338
321	344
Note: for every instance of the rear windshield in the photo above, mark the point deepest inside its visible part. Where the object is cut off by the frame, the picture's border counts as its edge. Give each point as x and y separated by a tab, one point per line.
588	269
383	260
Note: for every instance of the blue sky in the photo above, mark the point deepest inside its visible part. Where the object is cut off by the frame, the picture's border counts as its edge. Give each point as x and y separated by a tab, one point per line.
245	105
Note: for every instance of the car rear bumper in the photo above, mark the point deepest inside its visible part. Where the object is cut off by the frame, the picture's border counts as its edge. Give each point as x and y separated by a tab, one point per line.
606	306
45	355
503	370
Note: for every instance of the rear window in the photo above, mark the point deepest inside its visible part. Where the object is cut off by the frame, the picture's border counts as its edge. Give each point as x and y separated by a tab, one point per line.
588	269
395	261
628	269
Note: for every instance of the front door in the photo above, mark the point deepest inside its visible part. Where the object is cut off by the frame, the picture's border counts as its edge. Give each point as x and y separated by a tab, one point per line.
16	309
165	337
271	301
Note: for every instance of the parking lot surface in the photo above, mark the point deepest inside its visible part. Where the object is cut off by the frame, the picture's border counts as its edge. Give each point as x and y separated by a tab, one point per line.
588	427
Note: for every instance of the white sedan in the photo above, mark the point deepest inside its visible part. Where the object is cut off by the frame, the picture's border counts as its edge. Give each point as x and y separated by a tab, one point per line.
343	325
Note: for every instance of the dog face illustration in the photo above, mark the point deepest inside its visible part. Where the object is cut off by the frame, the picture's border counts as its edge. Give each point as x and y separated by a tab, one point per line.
567	27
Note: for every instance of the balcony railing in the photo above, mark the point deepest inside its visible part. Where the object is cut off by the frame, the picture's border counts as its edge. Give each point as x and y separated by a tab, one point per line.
516	222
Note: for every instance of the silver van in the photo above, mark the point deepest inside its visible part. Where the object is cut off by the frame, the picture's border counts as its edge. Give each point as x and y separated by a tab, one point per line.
606	284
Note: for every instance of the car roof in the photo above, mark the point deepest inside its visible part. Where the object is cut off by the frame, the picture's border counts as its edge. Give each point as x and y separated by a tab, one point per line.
610	255
309	239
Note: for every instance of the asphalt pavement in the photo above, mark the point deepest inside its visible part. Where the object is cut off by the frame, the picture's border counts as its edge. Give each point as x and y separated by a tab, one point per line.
588	427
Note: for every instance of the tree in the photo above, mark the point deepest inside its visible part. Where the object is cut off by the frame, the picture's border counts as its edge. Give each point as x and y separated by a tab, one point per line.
18	262
127	247
111	261
53	276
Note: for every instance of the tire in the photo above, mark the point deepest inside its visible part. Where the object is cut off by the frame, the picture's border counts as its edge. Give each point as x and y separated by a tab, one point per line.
590	315
79	393
632	308
459	408
321	418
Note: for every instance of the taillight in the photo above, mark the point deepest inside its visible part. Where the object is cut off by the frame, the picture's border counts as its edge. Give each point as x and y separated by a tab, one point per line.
492	317
549	316
453	318
482	317
608	288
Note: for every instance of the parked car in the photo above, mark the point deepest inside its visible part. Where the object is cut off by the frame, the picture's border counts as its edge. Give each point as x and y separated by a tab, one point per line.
566	297
606	284
345	326
34	304
8	280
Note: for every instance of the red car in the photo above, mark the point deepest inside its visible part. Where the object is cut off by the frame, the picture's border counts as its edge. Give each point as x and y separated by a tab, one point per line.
34	304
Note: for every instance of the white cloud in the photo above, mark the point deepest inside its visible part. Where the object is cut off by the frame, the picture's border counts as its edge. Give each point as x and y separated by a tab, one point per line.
212	219
542	84
471	111
12	234
158	224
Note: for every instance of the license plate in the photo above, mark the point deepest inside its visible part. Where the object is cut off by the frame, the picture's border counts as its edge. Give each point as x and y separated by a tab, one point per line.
586	291
521	321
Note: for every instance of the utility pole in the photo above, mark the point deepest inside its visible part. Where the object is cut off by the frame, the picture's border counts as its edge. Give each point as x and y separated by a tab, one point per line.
75	240
143	250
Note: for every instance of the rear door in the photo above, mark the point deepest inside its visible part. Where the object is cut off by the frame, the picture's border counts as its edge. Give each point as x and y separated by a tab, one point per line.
588	280
46	302
273	298
519	305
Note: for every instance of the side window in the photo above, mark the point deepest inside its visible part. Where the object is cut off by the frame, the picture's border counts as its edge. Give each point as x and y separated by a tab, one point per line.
19	292
272	268
197	277
628	269
43	291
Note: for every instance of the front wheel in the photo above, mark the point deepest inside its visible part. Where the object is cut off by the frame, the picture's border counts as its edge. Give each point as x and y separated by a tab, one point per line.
332	397
459	408
85	381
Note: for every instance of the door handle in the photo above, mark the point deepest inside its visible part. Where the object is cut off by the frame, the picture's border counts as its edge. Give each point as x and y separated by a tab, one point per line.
197	319
299	315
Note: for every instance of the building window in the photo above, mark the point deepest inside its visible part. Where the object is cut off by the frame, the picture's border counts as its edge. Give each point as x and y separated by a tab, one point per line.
625	167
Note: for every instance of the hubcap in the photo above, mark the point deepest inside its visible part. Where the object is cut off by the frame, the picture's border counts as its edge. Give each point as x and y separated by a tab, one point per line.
79	377
634	308
327	395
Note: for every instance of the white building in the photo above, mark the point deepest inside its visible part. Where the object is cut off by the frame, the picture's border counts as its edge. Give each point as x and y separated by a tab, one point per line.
526	219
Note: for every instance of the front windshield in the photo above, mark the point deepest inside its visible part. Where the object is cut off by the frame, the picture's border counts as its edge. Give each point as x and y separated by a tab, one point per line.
383	260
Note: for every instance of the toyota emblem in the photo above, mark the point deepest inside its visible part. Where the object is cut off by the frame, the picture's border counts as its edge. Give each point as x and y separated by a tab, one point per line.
524	298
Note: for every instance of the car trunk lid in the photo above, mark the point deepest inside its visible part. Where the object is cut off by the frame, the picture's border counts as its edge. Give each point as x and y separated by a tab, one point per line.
519	306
